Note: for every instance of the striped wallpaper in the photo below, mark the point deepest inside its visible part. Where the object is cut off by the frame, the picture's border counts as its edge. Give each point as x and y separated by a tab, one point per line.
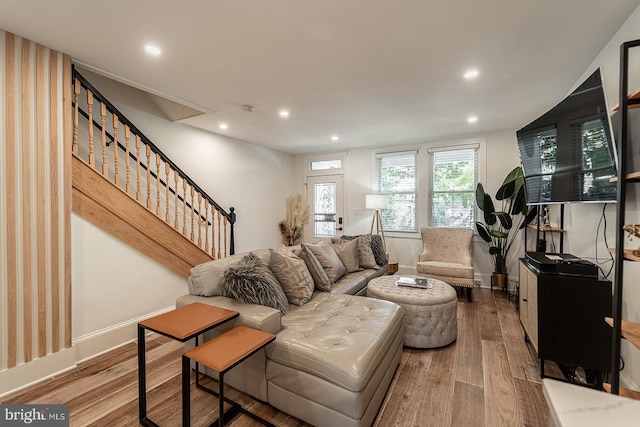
35	204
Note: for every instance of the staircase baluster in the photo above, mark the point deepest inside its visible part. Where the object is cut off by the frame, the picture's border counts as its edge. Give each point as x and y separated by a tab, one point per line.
225	235
199	220
148	152
76	100
138	169
127	134
116	178
92	160
157	185
193	214
184	207
166	196
175	181
213	231
219	252
103	114
206	226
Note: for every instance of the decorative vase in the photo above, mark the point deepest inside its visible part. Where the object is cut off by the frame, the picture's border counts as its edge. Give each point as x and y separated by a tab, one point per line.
500	280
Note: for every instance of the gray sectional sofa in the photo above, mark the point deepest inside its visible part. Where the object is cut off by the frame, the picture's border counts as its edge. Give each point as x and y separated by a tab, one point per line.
335	353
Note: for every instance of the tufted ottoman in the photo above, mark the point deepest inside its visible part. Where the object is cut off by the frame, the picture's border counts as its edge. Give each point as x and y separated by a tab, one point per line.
429	314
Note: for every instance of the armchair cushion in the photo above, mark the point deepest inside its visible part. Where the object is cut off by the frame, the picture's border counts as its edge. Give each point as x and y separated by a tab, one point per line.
447	245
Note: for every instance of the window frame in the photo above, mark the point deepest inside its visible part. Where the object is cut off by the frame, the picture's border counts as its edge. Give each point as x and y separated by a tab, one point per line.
378	156
431	192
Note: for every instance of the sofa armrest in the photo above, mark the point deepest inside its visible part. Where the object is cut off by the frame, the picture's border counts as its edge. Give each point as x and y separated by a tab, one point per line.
255	316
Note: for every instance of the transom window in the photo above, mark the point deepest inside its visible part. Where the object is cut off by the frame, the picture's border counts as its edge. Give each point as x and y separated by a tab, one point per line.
453	174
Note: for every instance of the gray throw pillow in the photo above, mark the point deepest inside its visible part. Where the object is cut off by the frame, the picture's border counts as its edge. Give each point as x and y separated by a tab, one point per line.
327	257
377	247
251	282
347	251
293	275
320	279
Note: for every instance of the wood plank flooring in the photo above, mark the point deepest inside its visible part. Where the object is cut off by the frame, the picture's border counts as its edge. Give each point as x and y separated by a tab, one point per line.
488	377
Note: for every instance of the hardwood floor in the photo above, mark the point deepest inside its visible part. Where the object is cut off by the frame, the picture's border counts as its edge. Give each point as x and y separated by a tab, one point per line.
487	377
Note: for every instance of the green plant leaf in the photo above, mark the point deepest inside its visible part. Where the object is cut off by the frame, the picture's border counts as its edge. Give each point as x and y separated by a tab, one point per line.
489	210
499	234
480	196
483	232
530	216
505	220
506	190
520	203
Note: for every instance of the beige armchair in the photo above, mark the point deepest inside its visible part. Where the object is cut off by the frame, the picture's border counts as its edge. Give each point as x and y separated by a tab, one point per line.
448	256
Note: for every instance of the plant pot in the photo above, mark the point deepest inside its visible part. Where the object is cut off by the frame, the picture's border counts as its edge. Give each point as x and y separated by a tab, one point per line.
500	280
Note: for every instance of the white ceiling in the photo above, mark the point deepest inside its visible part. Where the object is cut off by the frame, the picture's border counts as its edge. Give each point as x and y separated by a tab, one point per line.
374	72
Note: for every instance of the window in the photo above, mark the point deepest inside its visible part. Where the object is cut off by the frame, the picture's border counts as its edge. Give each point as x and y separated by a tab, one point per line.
453	176
397	178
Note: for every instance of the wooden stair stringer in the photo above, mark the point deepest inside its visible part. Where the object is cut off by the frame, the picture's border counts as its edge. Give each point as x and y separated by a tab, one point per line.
102	203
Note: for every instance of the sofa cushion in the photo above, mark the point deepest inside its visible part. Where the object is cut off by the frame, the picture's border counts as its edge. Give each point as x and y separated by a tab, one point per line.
320	279
347	251
320	336
250	281
293	275
206	278
328	259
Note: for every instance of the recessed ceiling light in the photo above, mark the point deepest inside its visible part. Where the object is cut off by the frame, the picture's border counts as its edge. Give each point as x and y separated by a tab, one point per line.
334	138
223	126
152	50
472	119
471	74
284	113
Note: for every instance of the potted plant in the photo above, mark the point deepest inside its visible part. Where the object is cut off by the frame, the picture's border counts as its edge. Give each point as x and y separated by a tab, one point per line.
498	227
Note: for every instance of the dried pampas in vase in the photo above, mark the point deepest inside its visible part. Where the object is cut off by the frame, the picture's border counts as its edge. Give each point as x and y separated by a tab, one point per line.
298	213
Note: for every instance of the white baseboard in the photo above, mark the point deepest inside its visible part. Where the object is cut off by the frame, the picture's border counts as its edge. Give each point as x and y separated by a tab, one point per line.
83	348
26	374
98	342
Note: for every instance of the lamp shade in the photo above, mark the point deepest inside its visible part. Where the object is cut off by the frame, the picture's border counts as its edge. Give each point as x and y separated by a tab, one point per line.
377	201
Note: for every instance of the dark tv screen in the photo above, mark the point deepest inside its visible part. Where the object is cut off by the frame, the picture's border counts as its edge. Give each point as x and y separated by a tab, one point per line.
568	154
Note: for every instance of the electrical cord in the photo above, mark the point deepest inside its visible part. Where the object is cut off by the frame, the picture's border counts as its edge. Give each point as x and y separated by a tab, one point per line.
603	220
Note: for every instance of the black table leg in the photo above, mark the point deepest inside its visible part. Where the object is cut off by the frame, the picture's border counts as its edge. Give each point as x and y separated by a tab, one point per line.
142	376
186	392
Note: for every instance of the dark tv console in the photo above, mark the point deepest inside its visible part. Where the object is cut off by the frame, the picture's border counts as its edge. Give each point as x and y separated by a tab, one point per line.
562	315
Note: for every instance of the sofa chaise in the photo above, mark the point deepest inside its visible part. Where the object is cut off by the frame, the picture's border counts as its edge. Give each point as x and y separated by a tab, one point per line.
335	353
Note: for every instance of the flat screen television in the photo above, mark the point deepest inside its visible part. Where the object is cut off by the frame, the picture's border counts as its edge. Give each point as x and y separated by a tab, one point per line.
568	154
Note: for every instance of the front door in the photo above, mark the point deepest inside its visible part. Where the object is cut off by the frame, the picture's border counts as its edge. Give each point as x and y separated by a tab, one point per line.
325	196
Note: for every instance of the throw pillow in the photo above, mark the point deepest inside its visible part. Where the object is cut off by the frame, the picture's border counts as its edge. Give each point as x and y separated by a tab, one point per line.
328	258
320	278
347	251
251	282
377	247
206	278
293	275
365	250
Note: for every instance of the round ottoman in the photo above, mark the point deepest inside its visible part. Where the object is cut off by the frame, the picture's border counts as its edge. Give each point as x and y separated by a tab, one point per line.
429	314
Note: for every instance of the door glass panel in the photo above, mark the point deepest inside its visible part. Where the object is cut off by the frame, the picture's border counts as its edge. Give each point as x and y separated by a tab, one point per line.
325	209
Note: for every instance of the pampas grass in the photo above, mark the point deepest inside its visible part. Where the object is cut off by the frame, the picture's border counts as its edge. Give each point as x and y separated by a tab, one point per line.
298	214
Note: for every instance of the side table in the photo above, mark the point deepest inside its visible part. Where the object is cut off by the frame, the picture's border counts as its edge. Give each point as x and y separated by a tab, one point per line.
221	354
181	324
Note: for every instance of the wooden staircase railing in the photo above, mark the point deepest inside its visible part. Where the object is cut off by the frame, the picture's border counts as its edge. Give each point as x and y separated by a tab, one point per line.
124	156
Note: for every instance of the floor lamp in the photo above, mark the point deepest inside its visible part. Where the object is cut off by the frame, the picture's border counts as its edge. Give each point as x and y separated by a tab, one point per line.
377	202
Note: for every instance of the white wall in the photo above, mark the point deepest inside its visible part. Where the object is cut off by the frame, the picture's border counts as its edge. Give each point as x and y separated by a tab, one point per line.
115	286
501	155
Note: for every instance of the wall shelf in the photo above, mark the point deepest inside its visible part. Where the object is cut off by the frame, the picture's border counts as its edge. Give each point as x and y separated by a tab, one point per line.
547	228
628	254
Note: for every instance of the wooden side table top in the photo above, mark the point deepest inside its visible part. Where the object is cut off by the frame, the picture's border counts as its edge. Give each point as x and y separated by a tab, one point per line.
188	321
226	350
